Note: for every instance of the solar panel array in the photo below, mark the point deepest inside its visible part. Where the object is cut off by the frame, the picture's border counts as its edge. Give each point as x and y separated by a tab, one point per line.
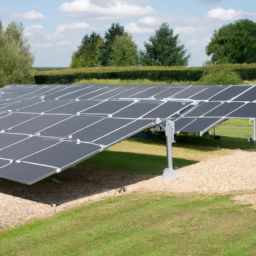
46	129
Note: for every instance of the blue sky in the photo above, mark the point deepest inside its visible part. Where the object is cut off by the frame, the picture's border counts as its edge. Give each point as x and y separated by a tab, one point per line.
55	28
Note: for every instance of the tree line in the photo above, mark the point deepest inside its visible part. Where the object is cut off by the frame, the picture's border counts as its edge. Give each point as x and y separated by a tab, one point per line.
118	48
232	43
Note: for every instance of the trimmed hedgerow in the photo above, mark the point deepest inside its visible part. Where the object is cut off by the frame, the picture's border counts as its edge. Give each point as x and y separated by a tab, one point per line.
68	76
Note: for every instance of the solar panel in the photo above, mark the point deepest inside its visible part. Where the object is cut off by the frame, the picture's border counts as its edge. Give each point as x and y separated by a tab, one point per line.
4	162
26	147
44	106
14	119
100	129
190	91
65	154
37	124
168	93
229	93
203	108
10	139
74	94
137	109
69	126
25	173
224	109
166	110
111	94
208	93
124	132
21	104
96	93
60	92
249	95
149	93
107	107
131	93
201	124
74	107
182	122
247	111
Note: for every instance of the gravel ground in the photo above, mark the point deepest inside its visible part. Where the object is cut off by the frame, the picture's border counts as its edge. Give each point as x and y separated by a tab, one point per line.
235	173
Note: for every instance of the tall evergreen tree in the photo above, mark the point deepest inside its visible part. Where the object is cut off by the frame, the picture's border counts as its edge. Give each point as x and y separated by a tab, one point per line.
164	49
106	47
124	51
88	52
233	43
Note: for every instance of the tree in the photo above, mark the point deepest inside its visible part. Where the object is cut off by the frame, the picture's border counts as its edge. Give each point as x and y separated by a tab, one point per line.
88	52
164	49
16	60
233	43
106	47
124	51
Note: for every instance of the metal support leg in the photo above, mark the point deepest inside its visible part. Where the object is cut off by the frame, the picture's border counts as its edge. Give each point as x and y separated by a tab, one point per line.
169	172
254	129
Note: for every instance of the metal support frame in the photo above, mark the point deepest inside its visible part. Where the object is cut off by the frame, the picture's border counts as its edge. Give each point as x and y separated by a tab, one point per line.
254	129
169	172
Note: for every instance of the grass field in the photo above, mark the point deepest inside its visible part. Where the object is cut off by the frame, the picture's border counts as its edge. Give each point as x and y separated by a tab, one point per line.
140	224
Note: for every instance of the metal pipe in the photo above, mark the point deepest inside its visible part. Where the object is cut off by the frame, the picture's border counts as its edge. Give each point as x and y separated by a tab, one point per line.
169	172
254	129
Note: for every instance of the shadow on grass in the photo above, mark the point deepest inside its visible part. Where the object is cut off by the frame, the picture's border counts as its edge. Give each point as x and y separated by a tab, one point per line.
134	163
202	143
105	171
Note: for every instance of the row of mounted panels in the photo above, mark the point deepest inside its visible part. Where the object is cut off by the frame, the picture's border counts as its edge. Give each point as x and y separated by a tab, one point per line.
224	109
119	109
97	92
28	159
98	130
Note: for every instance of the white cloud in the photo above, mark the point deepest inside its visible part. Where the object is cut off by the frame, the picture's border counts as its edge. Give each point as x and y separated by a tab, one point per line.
75	26
185	30
41	45
34	28
28	34
192	42
32	15
229	14
63	43
114	9
133	28
149	21
210	1
29	31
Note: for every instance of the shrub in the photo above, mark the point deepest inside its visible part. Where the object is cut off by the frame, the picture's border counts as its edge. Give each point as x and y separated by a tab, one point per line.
220	75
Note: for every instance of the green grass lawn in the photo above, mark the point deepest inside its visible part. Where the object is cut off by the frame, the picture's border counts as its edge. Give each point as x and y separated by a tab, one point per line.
140	224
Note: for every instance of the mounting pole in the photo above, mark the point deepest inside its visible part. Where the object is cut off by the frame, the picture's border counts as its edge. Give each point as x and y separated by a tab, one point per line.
169	172
254	129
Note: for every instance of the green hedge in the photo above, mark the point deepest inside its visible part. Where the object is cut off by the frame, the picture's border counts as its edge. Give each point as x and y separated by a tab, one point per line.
154	75
69	76
246	73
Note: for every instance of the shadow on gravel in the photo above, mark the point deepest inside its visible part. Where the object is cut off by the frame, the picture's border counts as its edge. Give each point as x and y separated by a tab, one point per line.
103	172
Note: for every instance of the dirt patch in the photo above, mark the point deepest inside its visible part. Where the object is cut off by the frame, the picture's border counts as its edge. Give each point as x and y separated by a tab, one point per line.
235	173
